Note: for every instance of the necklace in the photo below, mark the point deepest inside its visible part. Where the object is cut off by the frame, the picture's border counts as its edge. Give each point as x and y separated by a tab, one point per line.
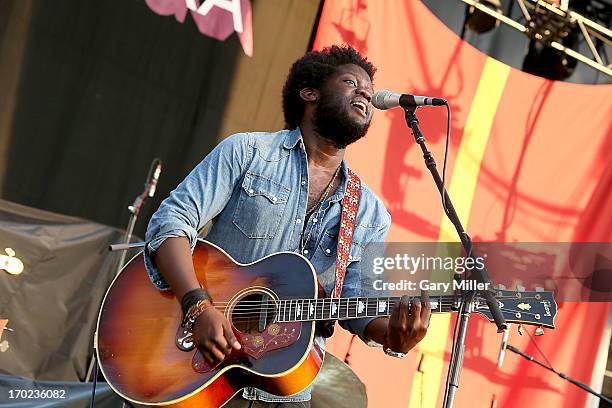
323	195
317	206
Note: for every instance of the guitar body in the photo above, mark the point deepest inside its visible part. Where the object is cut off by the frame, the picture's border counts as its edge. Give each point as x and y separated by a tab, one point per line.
136	337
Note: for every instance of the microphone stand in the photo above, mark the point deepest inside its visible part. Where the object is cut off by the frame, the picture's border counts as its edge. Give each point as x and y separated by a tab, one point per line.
134	209
560	374
478	274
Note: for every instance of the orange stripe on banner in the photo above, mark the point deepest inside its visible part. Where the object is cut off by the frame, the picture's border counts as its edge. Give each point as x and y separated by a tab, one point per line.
426	390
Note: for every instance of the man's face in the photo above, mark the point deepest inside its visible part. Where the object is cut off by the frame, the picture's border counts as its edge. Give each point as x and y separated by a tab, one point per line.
343	112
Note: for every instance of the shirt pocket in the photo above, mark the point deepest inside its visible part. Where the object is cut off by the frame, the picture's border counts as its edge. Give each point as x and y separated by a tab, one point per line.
328	247
324	259
260	206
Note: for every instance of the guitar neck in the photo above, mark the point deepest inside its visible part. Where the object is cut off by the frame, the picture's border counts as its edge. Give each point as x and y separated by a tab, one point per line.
301	310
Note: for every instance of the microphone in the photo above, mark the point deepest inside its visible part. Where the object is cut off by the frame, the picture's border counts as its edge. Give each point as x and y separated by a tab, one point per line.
384	100
502	348
153	177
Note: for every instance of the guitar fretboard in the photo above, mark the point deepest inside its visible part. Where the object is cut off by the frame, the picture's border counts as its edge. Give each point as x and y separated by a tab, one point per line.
300	310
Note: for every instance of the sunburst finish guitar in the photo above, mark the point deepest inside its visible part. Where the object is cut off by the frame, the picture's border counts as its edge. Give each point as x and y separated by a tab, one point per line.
147	358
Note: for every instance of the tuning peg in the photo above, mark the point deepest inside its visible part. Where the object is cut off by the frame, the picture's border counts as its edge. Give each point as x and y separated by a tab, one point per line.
520	288
539	289
520	329
4	345
539	331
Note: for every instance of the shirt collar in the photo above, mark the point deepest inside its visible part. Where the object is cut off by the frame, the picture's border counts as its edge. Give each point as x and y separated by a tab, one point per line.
292	138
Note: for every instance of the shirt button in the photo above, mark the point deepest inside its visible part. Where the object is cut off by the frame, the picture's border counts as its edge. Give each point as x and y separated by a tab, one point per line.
303	183
298	221
328	251
305	252
314	220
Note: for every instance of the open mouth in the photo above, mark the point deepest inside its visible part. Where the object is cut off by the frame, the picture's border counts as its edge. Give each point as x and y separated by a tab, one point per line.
361	107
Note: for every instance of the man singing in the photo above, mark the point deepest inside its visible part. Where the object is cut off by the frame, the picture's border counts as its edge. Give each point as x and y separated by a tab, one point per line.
267	192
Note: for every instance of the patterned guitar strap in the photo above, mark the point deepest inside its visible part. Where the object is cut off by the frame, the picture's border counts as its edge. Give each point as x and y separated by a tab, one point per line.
347	228
345	238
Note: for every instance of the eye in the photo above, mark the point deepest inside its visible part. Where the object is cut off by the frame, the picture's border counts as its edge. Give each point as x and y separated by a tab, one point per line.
350	82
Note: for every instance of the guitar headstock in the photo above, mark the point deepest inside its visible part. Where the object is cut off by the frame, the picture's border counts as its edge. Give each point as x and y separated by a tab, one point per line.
533	308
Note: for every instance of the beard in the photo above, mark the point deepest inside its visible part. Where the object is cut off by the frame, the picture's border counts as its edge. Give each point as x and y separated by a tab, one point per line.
332	121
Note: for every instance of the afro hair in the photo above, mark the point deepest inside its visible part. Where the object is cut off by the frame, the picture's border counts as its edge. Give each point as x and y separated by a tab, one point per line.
312	71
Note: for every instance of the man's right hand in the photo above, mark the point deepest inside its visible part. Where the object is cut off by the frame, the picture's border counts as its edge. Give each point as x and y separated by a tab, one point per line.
213	336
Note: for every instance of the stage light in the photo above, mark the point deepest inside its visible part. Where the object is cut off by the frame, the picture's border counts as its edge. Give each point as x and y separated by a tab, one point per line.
548	25
481	22
547	62
555	31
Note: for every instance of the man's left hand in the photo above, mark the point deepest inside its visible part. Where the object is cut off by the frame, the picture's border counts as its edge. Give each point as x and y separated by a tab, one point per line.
408	323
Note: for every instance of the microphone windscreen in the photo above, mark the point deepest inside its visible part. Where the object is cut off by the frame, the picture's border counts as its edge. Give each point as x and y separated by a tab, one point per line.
378	99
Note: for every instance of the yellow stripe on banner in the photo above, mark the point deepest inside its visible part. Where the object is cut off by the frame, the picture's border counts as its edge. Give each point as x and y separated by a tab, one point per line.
427	388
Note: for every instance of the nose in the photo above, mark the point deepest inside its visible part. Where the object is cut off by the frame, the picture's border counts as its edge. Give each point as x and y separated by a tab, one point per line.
365	92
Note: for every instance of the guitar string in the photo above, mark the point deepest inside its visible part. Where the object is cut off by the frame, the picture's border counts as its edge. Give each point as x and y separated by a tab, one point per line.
291	303
321	311
332	317
364	299
241	308
315	304
251	315
251	308
243	317
254	311
240	316
390	299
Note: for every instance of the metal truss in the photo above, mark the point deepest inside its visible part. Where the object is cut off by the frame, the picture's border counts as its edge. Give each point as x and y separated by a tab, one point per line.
533	10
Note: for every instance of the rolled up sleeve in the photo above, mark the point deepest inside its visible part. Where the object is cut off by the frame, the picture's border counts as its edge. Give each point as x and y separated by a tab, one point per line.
196	200
360	279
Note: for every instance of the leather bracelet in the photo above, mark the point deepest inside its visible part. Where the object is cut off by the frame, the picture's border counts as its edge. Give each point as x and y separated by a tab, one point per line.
192	297
193	313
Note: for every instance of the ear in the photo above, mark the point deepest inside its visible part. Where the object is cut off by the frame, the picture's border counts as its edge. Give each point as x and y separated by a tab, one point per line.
309	94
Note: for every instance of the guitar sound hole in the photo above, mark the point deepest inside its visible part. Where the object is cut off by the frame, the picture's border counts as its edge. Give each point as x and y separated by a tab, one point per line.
253	313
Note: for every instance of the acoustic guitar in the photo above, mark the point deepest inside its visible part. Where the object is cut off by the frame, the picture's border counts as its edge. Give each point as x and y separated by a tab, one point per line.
272	304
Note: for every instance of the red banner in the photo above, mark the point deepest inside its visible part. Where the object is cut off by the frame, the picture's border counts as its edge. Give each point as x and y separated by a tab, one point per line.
527	163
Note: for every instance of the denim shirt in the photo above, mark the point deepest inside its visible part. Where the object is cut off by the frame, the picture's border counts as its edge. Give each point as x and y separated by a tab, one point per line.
254	189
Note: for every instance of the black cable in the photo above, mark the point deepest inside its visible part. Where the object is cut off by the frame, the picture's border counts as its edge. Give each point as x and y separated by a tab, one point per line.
95	380
539	350
348	351
446	147
560	374
448	135
445	208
